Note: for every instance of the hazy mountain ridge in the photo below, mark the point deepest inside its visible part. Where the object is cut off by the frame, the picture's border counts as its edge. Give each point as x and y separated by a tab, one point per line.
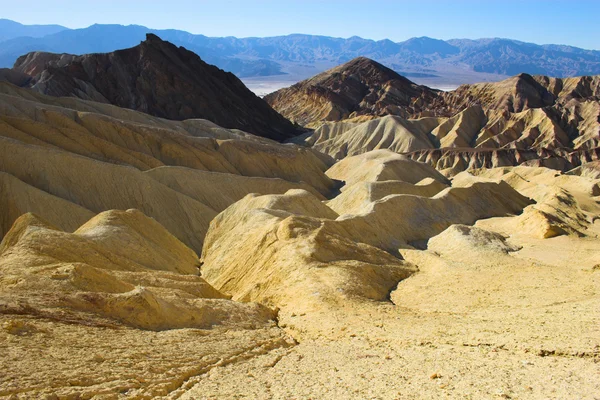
11	29
247	57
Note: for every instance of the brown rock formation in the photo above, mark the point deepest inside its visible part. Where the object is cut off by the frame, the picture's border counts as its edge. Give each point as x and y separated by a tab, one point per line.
359	87
355	110
452	161
157	78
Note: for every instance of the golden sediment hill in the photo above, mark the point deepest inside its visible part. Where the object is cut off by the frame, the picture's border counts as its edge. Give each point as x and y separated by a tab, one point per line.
318	234
341	256
83	313
446	312
90	157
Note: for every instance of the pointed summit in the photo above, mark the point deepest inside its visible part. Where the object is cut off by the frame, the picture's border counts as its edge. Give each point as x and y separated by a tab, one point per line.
160	79
360	87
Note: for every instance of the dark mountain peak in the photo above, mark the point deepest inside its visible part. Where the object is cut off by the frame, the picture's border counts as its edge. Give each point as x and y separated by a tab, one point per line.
158	78
363	61
152	38
527	79
366	68
359	87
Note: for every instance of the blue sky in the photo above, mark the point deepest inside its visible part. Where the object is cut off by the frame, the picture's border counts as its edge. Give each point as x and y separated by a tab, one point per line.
551	21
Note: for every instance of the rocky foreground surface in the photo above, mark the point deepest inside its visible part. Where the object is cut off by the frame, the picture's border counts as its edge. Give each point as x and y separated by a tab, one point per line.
150	258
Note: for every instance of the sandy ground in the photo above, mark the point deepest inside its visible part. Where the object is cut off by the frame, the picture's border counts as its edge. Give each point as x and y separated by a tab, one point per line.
523	326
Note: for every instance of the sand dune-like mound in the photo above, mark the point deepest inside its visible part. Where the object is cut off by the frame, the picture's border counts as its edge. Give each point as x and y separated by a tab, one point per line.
355	198
454	242
395	220
382	165
564	203
390	200
120	265
280	251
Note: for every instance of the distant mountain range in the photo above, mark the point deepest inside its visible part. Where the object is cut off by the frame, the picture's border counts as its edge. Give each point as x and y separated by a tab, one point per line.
11	30
424	59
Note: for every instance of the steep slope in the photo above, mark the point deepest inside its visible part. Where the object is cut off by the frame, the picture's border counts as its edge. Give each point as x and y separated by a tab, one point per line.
390	132
18	198
514	94
157	78
358	87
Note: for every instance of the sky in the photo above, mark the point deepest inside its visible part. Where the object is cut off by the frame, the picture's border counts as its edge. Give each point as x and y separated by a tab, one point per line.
551	21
